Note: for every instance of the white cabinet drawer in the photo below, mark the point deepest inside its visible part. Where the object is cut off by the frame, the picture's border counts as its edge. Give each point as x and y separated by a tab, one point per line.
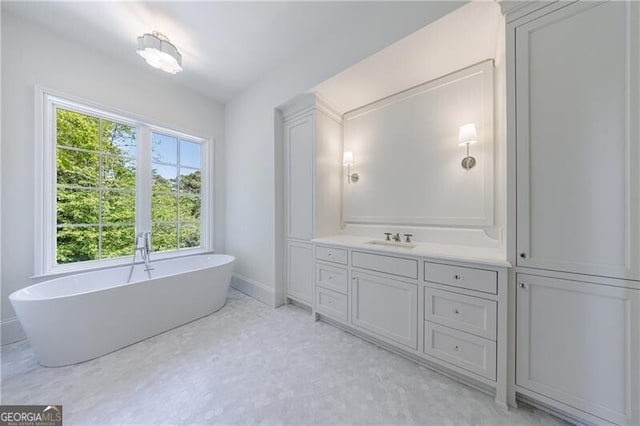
388	264
332	278
331	304
465	350
331	254
466	313
459	276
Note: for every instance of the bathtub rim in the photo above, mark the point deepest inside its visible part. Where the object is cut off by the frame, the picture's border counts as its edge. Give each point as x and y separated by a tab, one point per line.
15	297
61	271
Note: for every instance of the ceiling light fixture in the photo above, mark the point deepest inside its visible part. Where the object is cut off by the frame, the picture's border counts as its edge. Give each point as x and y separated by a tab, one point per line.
159	52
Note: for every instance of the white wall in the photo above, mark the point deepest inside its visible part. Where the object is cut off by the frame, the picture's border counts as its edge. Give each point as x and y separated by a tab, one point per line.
253	181
1	308
33	56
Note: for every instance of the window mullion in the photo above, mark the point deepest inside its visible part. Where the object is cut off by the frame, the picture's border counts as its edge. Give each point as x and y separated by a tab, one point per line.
144	180
100	187
178	185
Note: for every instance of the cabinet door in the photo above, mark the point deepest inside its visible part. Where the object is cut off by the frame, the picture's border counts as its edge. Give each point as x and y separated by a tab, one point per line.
385	307
300	271
577	86
299	165
577	343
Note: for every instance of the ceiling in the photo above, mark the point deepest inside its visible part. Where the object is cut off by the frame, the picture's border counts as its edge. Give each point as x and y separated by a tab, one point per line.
226	46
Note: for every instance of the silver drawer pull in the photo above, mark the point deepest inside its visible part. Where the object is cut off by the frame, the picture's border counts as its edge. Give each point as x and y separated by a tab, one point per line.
523	286
330	277
456	311
458	348
457	277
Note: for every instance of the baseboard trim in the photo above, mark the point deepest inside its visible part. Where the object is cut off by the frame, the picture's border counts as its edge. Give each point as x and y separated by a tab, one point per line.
11	331
560	410
255	289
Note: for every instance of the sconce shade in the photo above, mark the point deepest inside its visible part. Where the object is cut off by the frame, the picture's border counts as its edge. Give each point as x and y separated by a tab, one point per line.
348	158
467	134
159	52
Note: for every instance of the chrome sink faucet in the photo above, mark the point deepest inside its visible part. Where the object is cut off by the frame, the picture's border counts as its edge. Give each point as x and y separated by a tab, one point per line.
395	237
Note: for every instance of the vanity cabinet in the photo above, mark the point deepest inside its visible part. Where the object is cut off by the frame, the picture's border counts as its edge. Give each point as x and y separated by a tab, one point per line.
573	87
386	307
462	328
332	283
451	315
312	138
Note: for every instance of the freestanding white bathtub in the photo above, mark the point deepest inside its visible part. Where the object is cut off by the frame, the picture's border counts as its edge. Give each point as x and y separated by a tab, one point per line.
80	317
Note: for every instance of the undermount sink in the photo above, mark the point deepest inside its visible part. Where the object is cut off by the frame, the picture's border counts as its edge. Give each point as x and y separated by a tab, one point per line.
392	244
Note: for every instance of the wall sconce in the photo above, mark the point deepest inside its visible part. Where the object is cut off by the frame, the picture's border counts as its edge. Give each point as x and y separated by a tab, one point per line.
467	135
347	160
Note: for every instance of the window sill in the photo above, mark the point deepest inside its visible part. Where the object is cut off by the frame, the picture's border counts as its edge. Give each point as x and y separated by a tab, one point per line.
96	265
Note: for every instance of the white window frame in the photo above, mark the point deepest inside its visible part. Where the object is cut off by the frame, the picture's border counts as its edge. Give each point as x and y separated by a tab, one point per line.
45	179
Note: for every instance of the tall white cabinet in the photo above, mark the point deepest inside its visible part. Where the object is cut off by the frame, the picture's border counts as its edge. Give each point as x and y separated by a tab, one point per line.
577	344
312	188
574	86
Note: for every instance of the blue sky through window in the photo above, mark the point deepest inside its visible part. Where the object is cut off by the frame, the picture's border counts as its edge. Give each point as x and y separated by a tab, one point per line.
165	150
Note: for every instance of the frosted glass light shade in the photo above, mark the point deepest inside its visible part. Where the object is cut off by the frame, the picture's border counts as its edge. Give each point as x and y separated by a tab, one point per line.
467	134
159	52
348	158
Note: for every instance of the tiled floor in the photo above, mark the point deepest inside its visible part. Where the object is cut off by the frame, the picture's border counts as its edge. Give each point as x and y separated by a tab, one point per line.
250	364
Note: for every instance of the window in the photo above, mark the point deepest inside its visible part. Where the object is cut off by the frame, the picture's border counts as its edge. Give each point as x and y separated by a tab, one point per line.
175	203
95	187
108	176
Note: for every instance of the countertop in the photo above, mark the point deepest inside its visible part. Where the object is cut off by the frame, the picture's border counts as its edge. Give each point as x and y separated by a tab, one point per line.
453	252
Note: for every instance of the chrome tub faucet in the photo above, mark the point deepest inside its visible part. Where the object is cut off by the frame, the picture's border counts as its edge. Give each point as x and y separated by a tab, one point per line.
143	245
